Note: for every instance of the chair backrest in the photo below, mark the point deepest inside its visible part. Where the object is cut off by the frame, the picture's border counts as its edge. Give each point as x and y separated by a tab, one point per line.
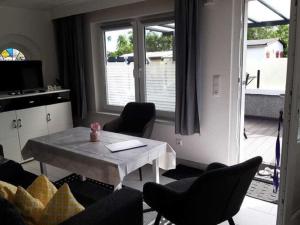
136	115
218	194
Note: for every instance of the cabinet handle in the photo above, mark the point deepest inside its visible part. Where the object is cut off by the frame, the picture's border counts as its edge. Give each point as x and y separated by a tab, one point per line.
14	124
48	117
19	123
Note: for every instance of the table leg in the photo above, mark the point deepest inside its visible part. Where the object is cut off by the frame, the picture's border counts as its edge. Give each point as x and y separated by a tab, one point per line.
155	170
43	168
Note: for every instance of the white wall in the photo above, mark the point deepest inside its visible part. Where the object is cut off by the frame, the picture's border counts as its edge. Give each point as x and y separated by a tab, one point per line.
220	55
32	32
256	54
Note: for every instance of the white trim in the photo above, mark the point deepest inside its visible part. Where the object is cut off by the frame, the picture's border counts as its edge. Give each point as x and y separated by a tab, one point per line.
265	92
159	121
139	70
290	156
236	75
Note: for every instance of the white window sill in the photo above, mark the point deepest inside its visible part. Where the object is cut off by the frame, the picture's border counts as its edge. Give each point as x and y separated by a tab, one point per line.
158	120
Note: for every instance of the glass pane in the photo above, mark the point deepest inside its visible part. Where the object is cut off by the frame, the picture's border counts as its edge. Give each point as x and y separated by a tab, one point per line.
160	66
259	12
119	67
282	6
10	54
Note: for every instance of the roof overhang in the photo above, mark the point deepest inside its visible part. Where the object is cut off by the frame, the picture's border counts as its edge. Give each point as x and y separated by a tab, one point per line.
263	13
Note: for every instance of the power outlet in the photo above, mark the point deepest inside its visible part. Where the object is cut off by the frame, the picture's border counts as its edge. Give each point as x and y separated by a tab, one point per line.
179	141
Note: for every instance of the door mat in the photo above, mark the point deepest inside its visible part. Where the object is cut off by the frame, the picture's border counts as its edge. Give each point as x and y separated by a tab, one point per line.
262	191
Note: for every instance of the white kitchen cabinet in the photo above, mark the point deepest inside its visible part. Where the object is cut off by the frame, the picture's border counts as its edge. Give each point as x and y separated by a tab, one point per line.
23	117
9	138
59	117
31	122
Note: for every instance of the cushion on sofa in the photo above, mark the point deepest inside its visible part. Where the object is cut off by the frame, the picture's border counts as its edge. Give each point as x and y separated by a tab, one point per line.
30	207
42	189
61	207
7	191
42	203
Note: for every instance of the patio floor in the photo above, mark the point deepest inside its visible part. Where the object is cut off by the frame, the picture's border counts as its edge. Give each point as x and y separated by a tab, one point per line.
262	135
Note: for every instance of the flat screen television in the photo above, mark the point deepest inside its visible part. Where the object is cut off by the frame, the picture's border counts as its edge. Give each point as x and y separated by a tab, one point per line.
21	76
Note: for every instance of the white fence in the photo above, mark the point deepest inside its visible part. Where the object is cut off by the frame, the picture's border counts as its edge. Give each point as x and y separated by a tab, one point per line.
272	73
160	84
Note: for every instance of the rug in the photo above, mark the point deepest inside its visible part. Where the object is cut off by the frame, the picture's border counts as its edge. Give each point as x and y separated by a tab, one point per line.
182	172
260	188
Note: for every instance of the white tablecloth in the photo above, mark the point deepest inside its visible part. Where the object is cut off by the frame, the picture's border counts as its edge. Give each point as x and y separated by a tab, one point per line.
72	150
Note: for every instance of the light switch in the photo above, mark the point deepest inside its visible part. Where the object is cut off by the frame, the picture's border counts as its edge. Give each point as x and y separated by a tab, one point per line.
216	85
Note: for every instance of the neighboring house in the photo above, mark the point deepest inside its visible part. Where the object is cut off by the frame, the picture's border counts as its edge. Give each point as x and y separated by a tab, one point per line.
153	56
264	49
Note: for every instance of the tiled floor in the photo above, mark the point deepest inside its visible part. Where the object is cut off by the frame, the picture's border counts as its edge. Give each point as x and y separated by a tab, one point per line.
253	211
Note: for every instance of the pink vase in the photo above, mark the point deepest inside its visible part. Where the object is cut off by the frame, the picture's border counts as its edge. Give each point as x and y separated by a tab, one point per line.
94	136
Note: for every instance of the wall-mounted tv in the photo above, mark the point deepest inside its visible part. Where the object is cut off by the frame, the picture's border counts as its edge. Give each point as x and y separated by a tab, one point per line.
21	75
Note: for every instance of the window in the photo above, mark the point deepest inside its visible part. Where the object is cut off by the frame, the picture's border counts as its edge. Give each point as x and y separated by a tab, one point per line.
119	67
140	65
160	66
11	54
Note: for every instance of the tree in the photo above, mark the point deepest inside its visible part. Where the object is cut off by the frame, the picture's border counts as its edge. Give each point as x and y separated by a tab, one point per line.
157	43
154	43
280	31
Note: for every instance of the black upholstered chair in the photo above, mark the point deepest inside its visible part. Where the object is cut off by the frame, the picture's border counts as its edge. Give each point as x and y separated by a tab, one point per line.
212	198
137	119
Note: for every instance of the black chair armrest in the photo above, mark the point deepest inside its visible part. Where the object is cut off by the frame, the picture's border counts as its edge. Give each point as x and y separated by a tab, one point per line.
12	172
214	166
157	196
120	208
9	170
113	126
147	131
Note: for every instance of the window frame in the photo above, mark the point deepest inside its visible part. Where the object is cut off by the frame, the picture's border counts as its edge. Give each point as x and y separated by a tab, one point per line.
138	27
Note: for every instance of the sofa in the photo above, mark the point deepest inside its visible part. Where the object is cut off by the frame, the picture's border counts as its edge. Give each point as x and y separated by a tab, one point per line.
102	206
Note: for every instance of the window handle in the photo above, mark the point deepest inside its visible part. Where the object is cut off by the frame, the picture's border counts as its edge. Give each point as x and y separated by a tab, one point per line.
14	124
48	117
19	123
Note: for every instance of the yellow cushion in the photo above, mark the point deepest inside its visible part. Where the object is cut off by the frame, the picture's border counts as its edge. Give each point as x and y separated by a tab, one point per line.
42	189
30	207
61	207
7	191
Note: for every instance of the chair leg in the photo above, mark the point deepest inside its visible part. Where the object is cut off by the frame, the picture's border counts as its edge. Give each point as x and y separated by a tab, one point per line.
231	222
157	220
140	173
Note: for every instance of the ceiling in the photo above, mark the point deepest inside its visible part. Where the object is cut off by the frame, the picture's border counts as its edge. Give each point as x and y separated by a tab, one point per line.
41	4
62	8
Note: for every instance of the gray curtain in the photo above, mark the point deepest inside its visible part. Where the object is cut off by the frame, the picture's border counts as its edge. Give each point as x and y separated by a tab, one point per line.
187	60
70	51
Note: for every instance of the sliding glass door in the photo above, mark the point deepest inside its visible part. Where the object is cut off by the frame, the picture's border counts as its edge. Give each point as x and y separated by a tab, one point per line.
140	65
160	66
119	55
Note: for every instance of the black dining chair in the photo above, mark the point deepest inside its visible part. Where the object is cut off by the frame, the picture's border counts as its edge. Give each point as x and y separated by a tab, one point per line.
212	198
137	119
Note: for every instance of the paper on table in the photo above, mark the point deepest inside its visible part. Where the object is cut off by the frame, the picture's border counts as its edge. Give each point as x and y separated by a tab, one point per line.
125	145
